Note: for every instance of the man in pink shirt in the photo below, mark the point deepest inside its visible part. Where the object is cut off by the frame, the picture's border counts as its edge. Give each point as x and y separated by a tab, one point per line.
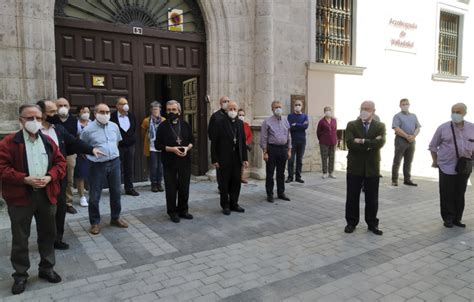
452	185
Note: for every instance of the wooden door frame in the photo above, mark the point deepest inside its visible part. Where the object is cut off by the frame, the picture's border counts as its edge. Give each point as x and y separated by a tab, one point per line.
139	70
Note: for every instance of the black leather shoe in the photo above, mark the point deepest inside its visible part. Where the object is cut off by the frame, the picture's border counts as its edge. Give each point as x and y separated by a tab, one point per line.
288	180
132	192
61	245
237	208
349	228
154	187
226	211
459	224
186	216
71	210
301	181
270	198
51	276
174	218
283	197
160	188
375	230
19	286
410	183
448	224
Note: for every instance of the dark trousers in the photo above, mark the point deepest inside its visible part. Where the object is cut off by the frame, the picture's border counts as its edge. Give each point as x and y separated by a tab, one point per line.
229	183
371	191
61	211
277	157
100	175
127	155
327	157
297	152
405	150
21	217
156	167
452	189
177	178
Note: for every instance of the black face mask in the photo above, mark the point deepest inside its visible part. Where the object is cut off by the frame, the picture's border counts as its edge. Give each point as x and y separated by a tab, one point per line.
172	116
51	119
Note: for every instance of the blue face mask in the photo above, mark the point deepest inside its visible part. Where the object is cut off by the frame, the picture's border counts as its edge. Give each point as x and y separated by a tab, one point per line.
457	118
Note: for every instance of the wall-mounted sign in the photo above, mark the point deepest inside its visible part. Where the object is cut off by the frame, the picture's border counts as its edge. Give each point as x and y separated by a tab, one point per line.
175	19
98	81
402	35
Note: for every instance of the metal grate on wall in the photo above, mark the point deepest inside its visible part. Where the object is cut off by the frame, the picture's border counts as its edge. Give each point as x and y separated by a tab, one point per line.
448	43
333	31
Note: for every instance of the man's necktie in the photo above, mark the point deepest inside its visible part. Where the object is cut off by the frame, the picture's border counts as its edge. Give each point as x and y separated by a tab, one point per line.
366	127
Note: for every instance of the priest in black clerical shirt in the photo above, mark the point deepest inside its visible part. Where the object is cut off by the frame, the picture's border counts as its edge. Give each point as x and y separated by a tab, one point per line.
174	138
228	154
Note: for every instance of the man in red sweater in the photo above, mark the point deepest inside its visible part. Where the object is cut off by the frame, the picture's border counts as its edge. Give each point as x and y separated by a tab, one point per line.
31	167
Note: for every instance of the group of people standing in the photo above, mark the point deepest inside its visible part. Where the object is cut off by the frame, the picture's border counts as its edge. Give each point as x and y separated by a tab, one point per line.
39	162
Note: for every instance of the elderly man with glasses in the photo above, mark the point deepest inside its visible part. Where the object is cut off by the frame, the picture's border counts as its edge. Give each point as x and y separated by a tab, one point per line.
31	169
105	135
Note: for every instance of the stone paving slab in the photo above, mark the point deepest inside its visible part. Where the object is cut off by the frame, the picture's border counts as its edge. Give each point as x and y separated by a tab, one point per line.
287	251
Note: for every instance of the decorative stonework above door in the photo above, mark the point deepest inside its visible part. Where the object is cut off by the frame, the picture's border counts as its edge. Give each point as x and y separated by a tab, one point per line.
157	14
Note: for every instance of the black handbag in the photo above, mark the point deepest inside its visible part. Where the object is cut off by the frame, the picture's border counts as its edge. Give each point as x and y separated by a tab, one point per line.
464	164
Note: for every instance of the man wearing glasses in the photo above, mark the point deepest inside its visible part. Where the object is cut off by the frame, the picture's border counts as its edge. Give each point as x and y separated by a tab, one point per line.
31	168
104	135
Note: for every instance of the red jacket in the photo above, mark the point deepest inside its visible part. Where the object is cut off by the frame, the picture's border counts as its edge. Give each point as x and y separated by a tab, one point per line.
248	134
14	168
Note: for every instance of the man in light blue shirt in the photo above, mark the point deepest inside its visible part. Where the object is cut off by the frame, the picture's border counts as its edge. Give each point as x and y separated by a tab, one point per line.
406	127
104	135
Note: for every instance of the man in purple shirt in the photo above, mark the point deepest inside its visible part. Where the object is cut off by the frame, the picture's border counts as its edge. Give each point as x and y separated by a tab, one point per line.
452	185
275	141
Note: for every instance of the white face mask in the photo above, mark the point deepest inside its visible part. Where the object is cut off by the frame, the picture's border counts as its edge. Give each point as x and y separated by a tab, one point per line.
63	111
364	115
225	105
298	108
126	108
278	112
405	108
232	114
457	118
328	113
102	118
241	117
85	116
32	126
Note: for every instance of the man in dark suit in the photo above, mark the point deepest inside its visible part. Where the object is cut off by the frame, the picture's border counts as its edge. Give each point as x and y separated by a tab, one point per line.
175	139
364	137
127	125
229	154
216	117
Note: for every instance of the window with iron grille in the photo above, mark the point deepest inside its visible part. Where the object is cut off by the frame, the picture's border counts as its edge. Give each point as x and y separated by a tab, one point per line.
448	43
334	31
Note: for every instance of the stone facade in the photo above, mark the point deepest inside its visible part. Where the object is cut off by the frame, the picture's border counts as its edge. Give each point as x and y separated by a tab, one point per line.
27	67
256	53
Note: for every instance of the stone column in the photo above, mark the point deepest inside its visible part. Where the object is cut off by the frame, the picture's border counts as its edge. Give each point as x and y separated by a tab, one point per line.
27	67
264	73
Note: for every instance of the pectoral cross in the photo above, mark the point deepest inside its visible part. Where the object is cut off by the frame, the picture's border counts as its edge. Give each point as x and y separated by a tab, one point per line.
178	140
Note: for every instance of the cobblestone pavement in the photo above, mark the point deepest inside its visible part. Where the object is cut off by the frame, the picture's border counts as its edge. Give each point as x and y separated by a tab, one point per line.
287	251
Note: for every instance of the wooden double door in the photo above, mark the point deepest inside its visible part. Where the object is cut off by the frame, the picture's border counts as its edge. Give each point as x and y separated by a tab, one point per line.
98	62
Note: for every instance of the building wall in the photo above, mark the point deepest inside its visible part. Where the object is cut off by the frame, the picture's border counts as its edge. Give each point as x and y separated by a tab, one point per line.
27	65
391	75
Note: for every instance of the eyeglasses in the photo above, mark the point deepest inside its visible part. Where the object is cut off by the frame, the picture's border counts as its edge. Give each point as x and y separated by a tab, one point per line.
32	118
122	104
